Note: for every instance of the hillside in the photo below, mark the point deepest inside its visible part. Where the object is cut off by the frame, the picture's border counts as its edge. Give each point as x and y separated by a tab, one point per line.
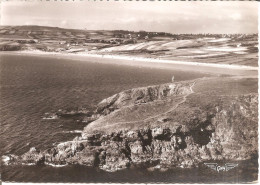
238	49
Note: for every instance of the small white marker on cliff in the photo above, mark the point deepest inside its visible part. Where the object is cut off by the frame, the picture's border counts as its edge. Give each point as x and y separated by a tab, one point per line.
172	78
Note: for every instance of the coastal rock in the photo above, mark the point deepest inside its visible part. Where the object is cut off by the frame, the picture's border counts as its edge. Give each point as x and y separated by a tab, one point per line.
161	134
193	134
33	156
141	95
115	157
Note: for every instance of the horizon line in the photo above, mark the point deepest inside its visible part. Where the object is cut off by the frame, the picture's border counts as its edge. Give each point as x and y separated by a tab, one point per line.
85	29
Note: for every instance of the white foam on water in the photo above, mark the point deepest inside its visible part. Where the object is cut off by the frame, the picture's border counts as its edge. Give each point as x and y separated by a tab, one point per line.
28	164
73	131
51	117
55	165
155	60
6	159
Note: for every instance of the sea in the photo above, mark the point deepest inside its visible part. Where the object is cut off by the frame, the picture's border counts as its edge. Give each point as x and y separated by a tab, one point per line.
32	86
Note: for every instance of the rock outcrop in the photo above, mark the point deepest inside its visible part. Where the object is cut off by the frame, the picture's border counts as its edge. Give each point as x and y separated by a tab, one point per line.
142	95
226	131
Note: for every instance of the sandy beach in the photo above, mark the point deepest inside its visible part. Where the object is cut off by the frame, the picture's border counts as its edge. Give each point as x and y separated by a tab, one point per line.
211	68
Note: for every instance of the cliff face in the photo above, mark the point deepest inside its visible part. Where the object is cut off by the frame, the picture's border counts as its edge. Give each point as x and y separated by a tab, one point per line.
142	95
135	107
187	134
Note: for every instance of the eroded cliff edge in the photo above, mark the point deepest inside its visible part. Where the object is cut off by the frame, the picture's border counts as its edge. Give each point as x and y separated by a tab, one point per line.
164	126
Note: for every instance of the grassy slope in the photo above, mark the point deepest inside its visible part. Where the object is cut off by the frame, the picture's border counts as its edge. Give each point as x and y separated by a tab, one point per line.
208	94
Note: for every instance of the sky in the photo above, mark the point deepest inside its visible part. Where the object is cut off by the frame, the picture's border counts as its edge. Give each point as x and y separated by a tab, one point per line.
161	16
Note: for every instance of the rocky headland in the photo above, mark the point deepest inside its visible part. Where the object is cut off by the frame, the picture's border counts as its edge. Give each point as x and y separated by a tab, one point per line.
164	126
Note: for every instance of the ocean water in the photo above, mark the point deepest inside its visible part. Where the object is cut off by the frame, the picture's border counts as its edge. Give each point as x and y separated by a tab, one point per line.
31	86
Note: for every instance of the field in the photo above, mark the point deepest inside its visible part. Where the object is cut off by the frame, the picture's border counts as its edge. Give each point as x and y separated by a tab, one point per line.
236	49
209	50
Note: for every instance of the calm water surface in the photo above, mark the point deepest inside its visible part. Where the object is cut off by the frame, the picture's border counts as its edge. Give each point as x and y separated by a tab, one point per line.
31	86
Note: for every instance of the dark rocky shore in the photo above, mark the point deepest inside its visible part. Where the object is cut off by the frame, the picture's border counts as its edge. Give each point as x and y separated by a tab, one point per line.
178	125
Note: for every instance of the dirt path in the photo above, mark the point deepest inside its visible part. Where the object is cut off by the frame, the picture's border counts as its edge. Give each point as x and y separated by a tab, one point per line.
158	115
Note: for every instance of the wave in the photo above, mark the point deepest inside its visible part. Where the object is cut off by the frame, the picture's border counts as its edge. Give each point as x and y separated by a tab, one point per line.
73	131
55	165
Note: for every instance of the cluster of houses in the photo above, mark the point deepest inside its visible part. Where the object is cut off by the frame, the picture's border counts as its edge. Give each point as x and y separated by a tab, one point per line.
209	35
69	41
86	42
139	35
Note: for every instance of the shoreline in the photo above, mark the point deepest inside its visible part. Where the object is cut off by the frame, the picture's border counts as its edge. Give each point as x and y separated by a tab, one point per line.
145	62
93	150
